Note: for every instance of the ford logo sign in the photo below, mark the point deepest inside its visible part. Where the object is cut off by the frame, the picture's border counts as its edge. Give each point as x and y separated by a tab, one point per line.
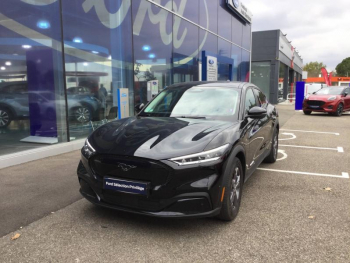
236	3
211	61
124	95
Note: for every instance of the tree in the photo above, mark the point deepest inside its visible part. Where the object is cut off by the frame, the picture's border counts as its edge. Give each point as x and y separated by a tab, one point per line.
343	68
314	69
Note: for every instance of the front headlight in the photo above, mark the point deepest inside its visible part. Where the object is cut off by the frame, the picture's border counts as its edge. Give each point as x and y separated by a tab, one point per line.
332	98
197	158
88	150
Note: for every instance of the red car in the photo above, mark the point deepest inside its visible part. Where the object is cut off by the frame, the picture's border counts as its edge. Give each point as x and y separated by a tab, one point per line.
334	100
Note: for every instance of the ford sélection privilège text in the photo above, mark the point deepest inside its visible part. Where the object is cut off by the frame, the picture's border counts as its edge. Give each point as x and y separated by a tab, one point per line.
187	153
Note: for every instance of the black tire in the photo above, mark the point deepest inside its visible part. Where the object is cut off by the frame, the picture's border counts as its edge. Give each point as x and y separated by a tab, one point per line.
82	114
307	112
5	117
272	157
340	109
233	192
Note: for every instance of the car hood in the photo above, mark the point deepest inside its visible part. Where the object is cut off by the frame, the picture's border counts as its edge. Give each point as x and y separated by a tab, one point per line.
321	97
155	138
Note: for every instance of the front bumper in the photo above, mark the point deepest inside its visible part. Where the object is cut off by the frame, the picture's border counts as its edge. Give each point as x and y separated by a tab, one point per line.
328	106
186	192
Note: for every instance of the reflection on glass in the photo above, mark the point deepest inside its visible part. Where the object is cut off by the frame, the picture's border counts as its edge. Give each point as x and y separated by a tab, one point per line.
97	64
261	76
154	64
224	21
185	57
208	15
198	101
281	82
32	103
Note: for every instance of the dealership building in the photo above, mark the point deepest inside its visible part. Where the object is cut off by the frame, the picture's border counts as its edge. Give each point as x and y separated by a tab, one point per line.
276	65
67	67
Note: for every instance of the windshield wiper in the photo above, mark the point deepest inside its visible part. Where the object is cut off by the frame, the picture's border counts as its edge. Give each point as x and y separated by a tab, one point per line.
192	117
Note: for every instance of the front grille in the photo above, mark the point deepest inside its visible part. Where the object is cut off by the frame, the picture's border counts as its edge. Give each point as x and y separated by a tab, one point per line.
315	102
132	201
132	168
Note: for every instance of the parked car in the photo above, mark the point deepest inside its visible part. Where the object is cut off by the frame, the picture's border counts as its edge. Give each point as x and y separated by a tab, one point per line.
186	154
15	97
334	100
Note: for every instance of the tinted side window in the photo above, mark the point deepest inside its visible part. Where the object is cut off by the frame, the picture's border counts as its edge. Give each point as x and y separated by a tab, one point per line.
18	88
250	101
260	97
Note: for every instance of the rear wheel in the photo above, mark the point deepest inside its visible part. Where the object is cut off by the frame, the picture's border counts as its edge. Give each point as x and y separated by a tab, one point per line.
340	109
307	112
5	117
233	192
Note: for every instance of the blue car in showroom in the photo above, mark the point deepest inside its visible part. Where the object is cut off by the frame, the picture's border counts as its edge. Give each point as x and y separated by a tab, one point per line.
15	97
187	153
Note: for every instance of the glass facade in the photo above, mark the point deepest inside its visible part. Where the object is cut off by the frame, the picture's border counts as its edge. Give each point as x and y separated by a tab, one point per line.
62	62
261	72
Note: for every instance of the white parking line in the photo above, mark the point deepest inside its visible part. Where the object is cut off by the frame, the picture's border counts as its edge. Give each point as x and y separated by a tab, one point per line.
334	133
290	138
339	149
343	176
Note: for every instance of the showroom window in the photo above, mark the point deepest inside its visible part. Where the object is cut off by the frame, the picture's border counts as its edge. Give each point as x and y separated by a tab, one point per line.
261	76
208	15
98	61
153	45
185	54
32	97
236	55
244	66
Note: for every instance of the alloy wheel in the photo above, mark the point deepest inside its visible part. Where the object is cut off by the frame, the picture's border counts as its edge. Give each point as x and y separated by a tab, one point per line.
340	110
235	187
4	118
82	114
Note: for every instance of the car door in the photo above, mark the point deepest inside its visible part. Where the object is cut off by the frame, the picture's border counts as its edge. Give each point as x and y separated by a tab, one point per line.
252	133
347	99
265	124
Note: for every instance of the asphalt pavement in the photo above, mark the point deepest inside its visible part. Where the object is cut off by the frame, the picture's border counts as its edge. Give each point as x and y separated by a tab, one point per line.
296	210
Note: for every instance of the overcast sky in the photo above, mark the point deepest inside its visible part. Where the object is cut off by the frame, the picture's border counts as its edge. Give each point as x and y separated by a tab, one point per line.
319	29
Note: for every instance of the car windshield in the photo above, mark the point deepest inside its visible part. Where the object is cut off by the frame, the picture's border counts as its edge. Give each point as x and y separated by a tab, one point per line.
195	102
330	91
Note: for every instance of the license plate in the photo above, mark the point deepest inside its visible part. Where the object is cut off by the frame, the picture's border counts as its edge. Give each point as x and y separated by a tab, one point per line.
120	185
315	107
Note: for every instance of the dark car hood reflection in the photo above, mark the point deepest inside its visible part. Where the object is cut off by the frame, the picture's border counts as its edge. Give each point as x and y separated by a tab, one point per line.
156	138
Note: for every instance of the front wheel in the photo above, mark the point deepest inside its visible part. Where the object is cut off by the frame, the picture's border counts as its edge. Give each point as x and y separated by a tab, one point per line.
233	185
82	114
340	109
5	117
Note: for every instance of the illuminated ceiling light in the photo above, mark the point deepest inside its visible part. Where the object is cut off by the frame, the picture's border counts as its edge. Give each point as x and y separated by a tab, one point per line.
110	57
26	46
86	64
95	52
43	24
8	63
15	54
2	68
77	40
146	48
151	56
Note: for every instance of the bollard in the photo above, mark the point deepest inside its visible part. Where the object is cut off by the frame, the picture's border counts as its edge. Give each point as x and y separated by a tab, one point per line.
299	95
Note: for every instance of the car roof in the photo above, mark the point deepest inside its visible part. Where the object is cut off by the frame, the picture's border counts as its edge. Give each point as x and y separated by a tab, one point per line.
224	84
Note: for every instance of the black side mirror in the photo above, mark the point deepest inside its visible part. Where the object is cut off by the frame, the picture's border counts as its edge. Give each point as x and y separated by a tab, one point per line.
138	107
257	113
346	93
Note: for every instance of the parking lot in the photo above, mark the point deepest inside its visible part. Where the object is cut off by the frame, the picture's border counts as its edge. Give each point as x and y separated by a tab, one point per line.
295	210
